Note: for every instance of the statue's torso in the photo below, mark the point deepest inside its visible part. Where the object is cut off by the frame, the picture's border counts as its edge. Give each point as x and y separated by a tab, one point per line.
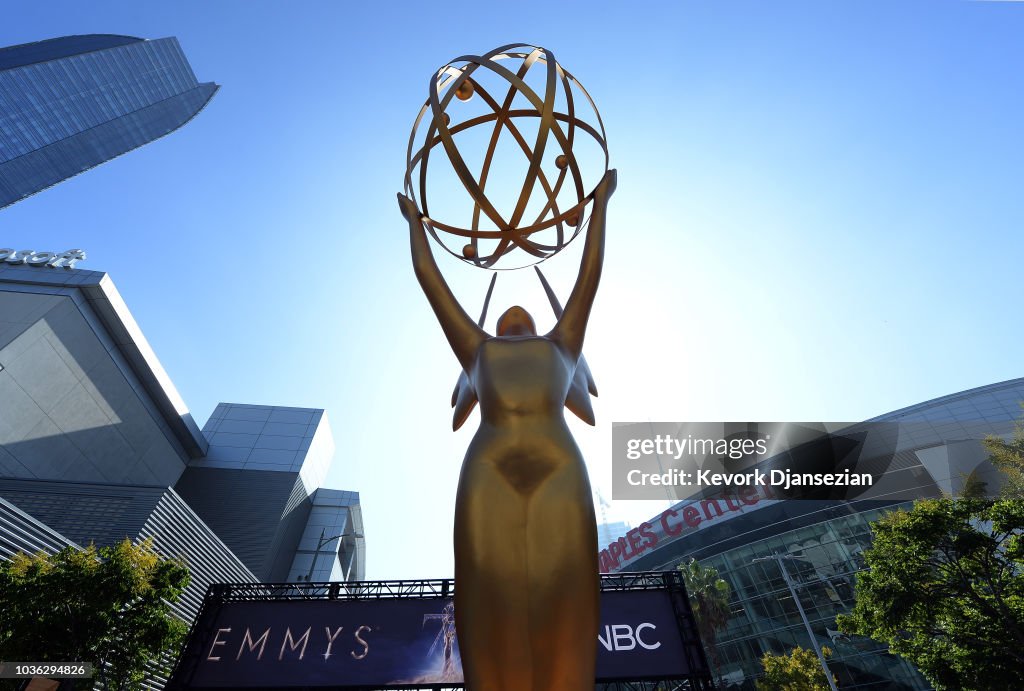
521	378
523	440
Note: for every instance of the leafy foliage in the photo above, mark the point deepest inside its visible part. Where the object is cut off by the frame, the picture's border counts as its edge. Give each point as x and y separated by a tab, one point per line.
1008	456
709	598
108	606
799	671
945	589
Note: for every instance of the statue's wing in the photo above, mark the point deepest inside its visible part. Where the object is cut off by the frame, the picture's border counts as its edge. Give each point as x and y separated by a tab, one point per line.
583	386
464	397
463	401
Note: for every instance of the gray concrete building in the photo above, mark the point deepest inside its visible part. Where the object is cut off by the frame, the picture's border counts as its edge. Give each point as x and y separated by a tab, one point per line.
259	487
97	445
319	558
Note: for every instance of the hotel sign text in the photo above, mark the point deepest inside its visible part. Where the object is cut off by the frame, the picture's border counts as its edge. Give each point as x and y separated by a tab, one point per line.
52	260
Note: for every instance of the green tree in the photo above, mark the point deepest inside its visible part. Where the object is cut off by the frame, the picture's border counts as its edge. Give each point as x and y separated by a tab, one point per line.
108	606
945	589
1008	456
709	598
798	671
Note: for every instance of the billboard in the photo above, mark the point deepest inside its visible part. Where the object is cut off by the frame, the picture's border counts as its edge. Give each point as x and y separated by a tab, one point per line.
404	637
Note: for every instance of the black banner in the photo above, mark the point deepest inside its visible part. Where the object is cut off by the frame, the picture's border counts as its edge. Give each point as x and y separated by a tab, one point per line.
395	642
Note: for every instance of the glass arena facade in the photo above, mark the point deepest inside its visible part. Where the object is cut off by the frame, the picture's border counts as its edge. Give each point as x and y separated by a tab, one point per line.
939	443
69	104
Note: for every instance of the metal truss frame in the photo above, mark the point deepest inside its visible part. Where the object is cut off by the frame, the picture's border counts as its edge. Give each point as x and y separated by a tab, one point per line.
220	594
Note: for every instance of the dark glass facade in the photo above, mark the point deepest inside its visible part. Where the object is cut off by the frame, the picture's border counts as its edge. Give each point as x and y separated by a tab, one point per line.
824	558
69	104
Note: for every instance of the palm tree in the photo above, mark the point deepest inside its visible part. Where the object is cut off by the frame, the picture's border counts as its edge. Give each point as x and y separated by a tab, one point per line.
709	598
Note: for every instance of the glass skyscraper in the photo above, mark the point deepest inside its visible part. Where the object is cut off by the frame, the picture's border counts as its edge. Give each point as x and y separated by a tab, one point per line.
68	104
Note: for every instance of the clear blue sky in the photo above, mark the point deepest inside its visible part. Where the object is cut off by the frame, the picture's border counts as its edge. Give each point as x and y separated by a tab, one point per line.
819	217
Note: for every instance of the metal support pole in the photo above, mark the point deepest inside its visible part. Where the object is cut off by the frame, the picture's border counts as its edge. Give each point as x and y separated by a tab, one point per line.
803	615
323	541
316	555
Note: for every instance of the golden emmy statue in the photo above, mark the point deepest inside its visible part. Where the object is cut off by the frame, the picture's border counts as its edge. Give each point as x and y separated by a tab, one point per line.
526	570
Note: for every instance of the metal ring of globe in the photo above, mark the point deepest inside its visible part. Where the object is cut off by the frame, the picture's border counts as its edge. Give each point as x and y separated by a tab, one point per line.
455	80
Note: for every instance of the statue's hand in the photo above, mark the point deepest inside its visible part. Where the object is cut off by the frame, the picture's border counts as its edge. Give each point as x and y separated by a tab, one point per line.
606	187
408	208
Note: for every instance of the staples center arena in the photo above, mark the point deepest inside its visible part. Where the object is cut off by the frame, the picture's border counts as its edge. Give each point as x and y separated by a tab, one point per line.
939	444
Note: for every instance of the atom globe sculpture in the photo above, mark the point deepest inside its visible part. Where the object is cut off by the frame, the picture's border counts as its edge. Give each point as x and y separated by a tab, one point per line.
514	101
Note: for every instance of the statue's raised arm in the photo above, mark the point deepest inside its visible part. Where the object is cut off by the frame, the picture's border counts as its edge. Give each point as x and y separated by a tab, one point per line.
572	326
462	333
